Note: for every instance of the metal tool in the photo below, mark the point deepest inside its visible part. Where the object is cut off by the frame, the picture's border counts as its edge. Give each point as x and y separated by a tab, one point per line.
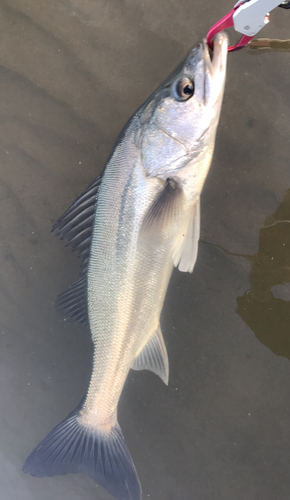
248	18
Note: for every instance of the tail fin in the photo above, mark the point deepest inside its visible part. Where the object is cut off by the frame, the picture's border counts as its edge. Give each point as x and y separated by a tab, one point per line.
72	447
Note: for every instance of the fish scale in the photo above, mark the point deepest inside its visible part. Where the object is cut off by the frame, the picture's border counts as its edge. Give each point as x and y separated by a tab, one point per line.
114	311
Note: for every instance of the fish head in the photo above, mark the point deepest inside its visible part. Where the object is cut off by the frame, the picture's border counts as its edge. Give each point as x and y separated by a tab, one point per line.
183	114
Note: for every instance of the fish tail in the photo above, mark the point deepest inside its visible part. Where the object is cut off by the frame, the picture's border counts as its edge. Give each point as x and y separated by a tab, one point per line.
73	447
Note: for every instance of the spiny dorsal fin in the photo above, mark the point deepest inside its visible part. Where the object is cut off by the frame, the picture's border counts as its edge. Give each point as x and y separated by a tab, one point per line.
75	228
75	225
185	253
154	357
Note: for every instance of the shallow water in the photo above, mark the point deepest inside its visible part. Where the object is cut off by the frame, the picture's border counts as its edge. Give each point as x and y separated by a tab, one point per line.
71	74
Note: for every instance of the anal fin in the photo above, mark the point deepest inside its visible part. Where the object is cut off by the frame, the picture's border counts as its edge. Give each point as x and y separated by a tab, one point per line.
154	357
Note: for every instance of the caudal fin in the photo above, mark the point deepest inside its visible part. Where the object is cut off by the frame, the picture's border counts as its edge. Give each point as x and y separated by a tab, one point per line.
72	447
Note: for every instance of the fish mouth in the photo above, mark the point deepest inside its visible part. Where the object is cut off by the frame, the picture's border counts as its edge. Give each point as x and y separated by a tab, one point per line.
215	59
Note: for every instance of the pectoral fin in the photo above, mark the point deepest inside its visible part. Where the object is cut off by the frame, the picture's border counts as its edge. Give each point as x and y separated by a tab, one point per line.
185	254
154	357
165	208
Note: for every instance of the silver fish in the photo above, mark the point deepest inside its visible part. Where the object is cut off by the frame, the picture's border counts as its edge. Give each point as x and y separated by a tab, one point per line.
137	221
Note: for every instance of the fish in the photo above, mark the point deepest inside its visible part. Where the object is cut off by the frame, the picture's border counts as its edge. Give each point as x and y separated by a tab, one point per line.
130	227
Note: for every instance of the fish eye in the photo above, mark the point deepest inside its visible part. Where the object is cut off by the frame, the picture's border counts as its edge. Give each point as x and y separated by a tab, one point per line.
184	89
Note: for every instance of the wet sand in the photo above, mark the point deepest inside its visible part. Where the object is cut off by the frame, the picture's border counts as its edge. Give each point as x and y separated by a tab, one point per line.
71	74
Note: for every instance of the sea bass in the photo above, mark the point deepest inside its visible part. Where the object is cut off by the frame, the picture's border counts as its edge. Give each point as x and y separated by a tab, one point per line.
136	221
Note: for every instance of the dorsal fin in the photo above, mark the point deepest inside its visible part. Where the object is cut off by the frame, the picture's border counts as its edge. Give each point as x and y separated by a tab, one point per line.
75	225
73	303
75	228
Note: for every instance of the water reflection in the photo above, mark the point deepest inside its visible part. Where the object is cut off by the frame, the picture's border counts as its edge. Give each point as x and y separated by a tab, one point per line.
264	307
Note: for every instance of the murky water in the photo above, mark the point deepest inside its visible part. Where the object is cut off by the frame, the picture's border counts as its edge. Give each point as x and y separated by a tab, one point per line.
71	74
265	307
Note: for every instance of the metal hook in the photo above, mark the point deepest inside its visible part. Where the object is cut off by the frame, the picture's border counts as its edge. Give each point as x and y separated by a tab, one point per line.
227	22
248	16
